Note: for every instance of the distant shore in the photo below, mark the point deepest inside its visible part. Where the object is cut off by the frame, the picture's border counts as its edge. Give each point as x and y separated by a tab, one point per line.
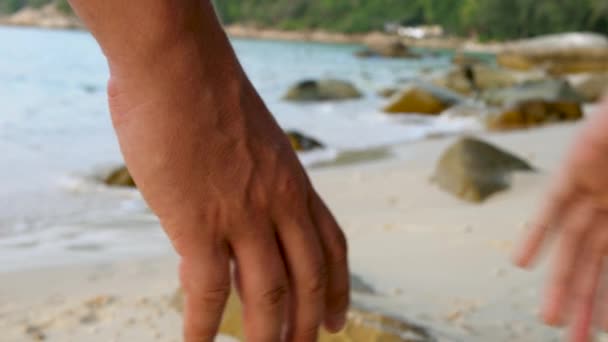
49	17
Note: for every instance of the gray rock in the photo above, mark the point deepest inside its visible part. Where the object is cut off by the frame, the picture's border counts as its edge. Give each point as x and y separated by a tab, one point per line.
474	170
470	79
322	90
120	178
548	90
300	142
387	49
590	86
358	285
422	98
558	54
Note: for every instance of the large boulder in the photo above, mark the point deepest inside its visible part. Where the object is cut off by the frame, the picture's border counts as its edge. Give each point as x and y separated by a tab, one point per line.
322	90
474	78
120	178
533	113
548	90
420	98
301	142
362	325
559	54
474	170
591	87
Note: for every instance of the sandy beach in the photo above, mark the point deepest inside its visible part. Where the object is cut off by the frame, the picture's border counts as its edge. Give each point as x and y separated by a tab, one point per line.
431	259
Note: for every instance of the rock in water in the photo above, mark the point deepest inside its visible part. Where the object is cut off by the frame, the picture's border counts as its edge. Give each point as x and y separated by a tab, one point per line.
322	90
301	142
485	78
547	90
362	325
387	49
474	170
559	54
120	177
534	113
422	99
387	92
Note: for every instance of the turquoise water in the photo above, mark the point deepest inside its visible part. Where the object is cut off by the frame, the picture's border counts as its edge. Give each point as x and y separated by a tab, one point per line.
56	136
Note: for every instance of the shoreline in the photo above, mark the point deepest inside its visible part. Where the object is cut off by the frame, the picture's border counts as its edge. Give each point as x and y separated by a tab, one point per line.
49	18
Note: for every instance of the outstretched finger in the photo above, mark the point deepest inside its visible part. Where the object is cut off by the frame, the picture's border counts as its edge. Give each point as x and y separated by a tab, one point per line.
588	277
205	278
334	244
557	203
263	284
571	246
308	277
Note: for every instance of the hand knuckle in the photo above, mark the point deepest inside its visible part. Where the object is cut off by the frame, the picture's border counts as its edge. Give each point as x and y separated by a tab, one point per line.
290	187
215	297
275	296
317	282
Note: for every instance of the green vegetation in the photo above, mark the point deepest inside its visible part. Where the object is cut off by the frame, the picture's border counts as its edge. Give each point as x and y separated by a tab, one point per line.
496	19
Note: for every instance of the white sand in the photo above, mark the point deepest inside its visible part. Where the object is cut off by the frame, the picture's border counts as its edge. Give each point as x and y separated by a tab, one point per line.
434	259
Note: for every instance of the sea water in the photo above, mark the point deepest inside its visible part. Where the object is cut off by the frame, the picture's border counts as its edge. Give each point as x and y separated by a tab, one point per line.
56	138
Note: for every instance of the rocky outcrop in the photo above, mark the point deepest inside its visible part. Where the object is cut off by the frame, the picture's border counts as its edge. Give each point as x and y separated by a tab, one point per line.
534	113
422	98
322	90
547	90
469	79
362	325
474	170
558	54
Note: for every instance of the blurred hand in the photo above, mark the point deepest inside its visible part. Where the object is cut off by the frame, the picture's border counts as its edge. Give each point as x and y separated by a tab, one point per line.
577	210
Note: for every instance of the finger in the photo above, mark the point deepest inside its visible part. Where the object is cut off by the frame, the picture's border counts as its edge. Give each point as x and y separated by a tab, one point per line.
263	284
334	245
556	204
576	225
587	286
205	278
308	277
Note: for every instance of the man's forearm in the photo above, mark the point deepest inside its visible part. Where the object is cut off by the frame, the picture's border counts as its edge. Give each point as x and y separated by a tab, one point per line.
138	33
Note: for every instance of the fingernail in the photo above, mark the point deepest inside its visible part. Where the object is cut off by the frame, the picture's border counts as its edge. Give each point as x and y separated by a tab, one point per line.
335	324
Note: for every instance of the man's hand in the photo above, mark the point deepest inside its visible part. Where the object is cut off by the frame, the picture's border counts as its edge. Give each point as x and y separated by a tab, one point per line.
577	209
218	171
